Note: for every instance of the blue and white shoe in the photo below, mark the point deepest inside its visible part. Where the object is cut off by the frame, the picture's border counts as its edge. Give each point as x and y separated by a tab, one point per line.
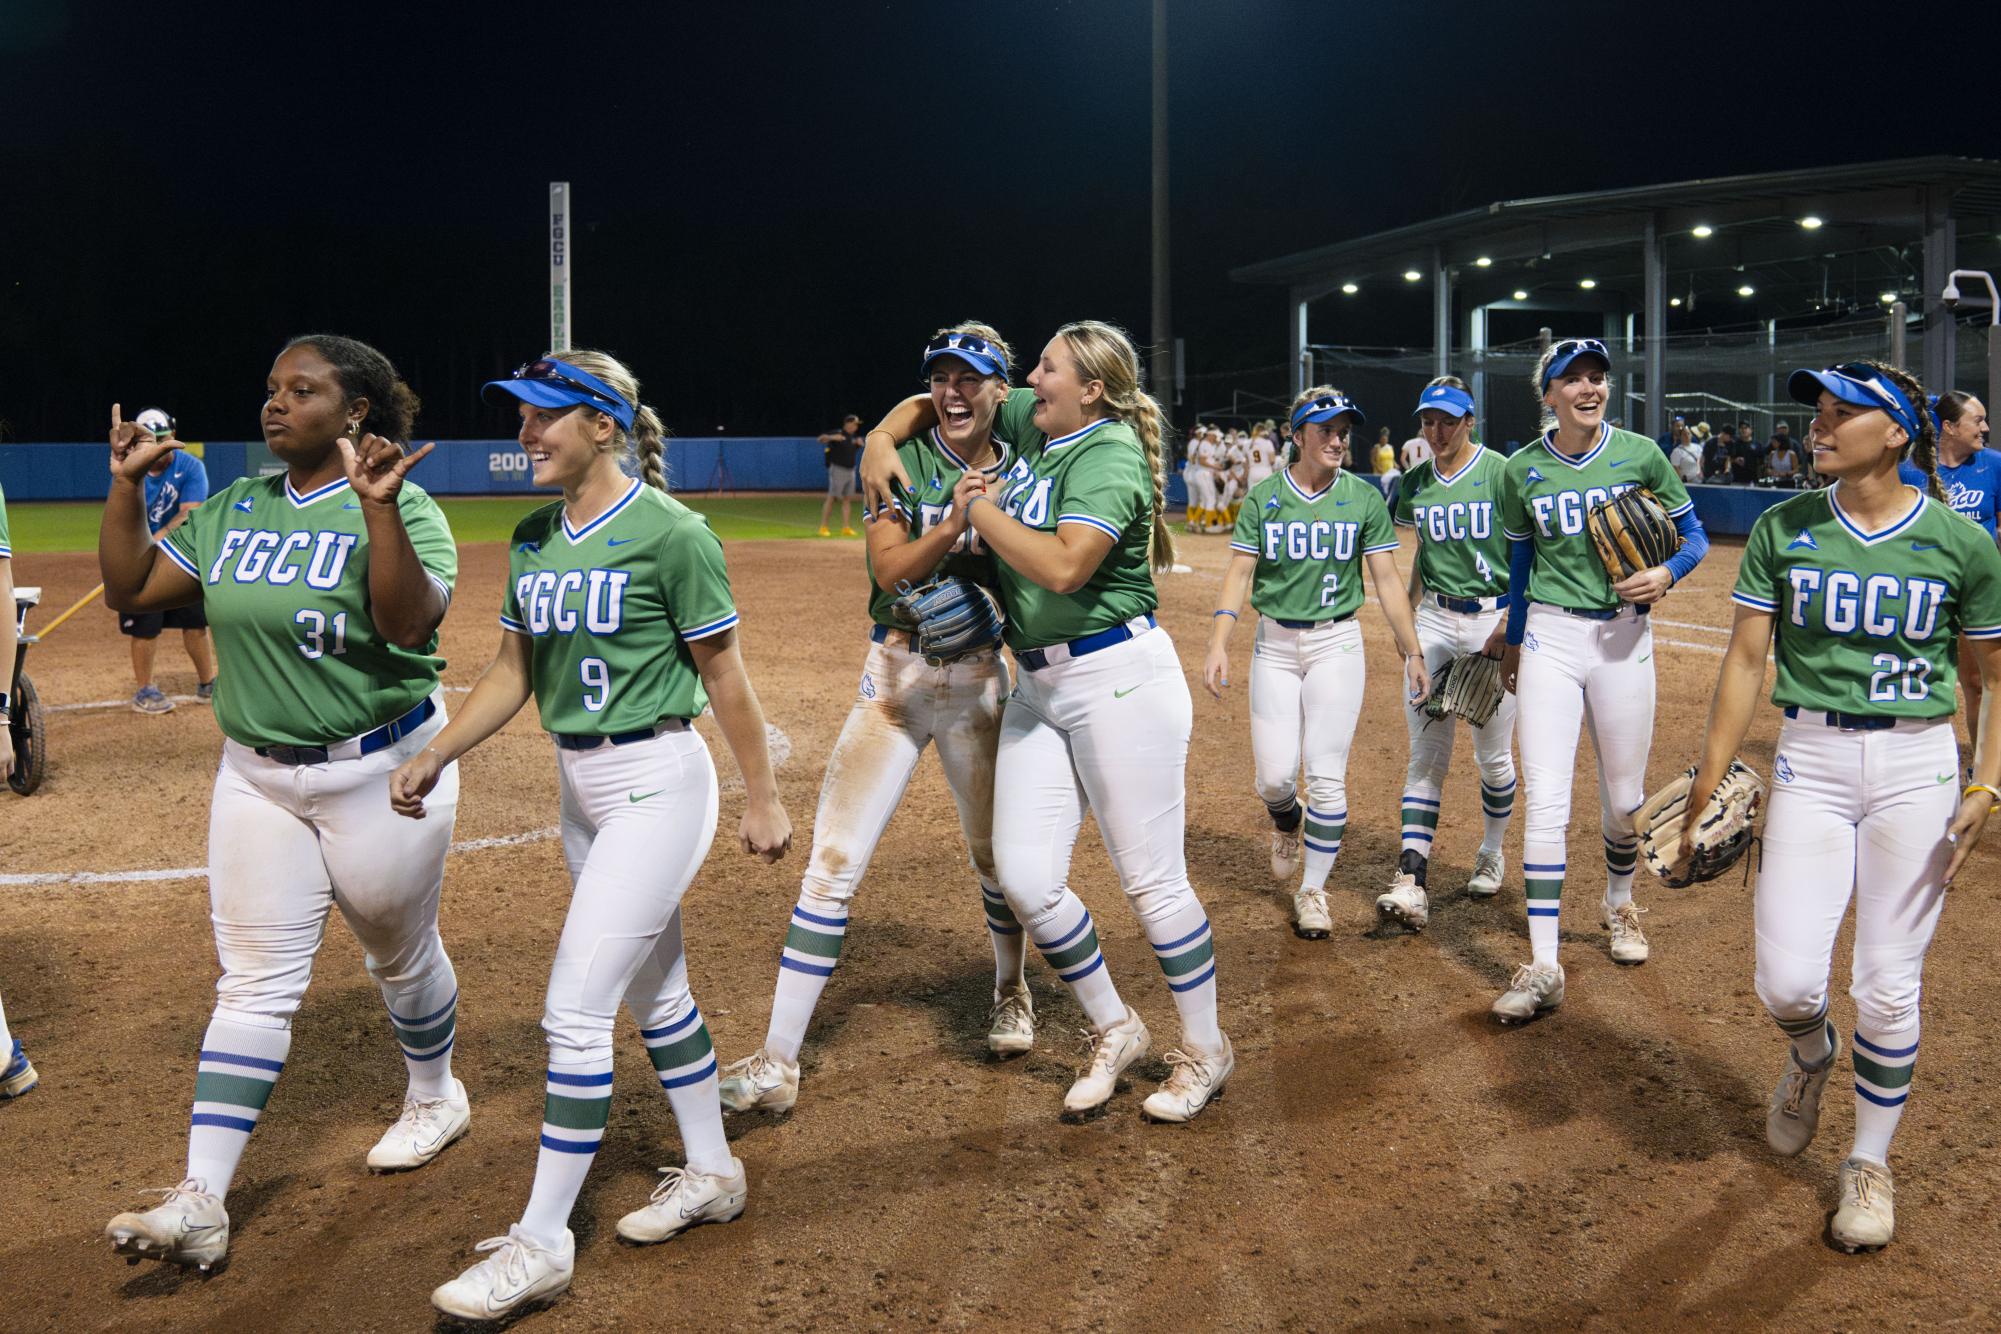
148	699
19	1076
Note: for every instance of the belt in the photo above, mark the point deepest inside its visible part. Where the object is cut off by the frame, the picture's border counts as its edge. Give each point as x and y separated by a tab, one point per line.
1847	722
1035	659
1308	625
1470	606
882	634
1596	613
366	744
591	741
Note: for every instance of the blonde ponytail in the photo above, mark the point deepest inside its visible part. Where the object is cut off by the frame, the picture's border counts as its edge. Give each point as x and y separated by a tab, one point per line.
1104	353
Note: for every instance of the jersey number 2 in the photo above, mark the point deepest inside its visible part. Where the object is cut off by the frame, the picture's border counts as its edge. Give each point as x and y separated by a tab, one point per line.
316	633
1330	584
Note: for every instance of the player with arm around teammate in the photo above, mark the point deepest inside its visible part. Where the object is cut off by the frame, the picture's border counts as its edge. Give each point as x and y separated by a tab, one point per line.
905	704
1971	476
324	586
17	1073
1459	585
618	619
1868	584
1301	541
1580	651
1100	715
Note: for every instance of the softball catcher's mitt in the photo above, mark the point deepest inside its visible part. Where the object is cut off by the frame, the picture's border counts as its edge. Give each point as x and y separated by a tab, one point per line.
1713	840
949	617
1469	685
1632	532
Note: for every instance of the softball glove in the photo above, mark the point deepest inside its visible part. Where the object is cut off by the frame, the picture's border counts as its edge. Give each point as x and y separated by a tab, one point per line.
1469	686
1711	842
949	618
1632	532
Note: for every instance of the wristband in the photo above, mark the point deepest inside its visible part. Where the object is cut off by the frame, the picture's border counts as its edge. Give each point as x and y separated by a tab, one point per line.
1993	793
1220	612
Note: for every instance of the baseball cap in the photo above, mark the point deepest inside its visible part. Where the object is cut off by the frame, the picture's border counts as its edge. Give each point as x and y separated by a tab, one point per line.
1858	383
1569	350
549	383
156	420
1325	409
1444	398
977	352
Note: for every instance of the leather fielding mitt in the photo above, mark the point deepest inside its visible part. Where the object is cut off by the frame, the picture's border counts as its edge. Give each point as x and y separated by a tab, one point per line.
1712	839
1469	686
949	617
1632	532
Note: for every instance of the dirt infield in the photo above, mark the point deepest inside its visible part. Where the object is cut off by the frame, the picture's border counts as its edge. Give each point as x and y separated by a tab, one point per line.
1385	1156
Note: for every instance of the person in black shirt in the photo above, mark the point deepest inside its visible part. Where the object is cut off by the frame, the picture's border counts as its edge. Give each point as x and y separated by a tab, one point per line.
843	447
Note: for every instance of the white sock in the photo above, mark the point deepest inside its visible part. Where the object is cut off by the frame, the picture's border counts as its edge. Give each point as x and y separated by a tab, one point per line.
812	948
1883	1064
1187	952
1812	1037
1499	804
6	1038
1542	887
1068	940
685	1060
425	1018
239	1064
1620	860
1010	942
1321	839
576	1104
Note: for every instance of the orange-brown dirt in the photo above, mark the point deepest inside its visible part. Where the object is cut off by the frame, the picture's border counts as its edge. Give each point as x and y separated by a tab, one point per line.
1385	1156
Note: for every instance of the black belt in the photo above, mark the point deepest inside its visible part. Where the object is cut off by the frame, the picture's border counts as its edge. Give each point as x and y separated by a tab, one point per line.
1847	722
1308	625
591	741
386	735
1595	613
1472	606
1035	659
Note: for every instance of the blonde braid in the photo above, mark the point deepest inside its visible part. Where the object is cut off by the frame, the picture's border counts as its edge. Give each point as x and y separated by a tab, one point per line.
1104	353
649	444
1922	450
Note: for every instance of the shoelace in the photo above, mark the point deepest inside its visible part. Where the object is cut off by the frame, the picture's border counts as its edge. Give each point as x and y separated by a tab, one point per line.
1868	1181
510	1258
752	1068
1097	1050
1796	1082
670	1181
1627	918
192	1188
1014	1007
1183	1070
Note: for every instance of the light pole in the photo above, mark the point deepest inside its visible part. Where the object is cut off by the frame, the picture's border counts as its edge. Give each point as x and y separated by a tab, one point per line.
1951	297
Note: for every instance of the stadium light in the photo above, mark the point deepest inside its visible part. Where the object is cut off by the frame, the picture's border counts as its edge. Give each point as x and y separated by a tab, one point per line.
1520	295
1350	288
1484	262
1702	229
1411	275
1888	298
1674	301
1587	283
1747	290
1810	222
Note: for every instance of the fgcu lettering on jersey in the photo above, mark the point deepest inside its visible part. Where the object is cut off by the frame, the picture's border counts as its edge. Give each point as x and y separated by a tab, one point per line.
1547	493
938	467
554	603
1309	539
1309	546
1461	551
258	555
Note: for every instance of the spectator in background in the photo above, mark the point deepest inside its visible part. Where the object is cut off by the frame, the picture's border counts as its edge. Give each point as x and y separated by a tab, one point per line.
1716	455
1666	439
1415	451
842	448
1685	456
1284	443
1782	463
173	488
1782	434
1385	459
1745	458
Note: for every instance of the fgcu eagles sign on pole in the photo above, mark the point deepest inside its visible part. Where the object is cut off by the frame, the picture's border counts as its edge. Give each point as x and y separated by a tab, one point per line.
562	261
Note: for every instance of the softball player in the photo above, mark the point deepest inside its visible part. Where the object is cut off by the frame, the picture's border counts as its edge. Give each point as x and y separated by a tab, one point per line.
324	586
17	1076
905	704
1208	455
1869	585
1260	459
1300	556
619	621
1101	714
1459	585
1971	476
1589	658
1236	463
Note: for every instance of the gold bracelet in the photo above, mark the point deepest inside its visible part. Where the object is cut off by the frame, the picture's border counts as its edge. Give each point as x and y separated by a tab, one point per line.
1994	793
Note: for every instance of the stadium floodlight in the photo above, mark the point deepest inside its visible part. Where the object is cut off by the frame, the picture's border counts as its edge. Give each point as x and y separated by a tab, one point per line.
1587	283
1888	298
1520	295
1411	275
1674	301
1702	229
1350	288
1484	262
1810	222
1747	290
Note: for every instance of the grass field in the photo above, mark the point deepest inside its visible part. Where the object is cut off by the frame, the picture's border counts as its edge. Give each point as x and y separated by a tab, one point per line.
72	526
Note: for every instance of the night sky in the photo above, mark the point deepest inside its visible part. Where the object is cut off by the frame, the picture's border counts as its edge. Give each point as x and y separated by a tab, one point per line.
778	203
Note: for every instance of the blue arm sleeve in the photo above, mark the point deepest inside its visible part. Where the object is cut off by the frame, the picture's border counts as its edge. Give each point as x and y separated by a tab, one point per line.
1694	546
1521	560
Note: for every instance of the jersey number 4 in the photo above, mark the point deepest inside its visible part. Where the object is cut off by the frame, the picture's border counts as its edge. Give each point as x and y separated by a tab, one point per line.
316	633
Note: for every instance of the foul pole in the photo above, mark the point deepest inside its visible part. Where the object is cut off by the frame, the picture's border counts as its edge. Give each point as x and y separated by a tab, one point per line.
562	264
1163	333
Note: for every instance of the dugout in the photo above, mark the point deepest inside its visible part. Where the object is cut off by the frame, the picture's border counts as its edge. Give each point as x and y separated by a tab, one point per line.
1709	291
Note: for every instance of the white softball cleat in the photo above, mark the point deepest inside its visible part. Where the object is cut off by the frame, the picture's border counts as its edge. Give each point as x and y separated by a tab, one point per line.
1111	1052
1535	989
1867	1217
686	1199
1629	943
1193	1080
760	1082
1404	904
521	1272
1309	914
1794	1115
188	1227
421	1133
1488	868
1284	854
19	1076
1011	1025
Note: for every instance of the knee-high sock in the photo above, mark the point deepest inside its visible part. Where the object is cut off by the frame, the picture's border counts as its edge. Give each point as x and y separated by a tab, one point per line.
1620	859
1068	940
1323	844
6	1037
685	1060
812	948
575	1106
1187	952
239	1064
1420	817
1883	1063
425	1018
1499	804
1812	1037
1542	886
1009	940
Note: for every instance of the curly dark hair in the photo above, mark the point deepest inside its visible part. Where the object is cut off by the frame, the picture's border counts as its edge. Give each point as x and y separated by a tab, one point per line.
363	372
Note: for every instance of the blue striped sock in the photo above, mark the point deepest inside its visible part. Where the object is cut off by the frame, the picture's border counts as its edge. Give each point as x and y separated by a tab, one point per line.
1010	942
1498	803
1621	856
576	1104
1322	844
1542	889
1420	820
1187	952
239	1065
812	948
1812	1037
685	1059
1883	1064
425	1021
1068	940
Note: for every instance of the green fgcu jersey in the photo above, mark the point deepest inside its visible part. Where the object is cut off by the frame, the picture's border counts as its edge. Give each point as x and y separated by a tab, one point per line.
1867	622
1310	545
1461	550
611	609
1547	495
934	470
1096	476
284	584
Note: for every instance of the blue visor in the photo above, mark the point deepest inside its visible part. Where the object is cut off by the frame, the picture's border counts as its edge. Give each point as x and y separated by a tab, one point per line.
979	353
1325	409
1569	350
1444	398
1856	383
550	383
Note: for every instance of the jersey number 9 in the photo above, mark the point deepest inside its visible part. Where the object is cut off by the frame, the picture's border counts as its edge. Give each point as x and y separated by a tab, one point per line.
596	676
